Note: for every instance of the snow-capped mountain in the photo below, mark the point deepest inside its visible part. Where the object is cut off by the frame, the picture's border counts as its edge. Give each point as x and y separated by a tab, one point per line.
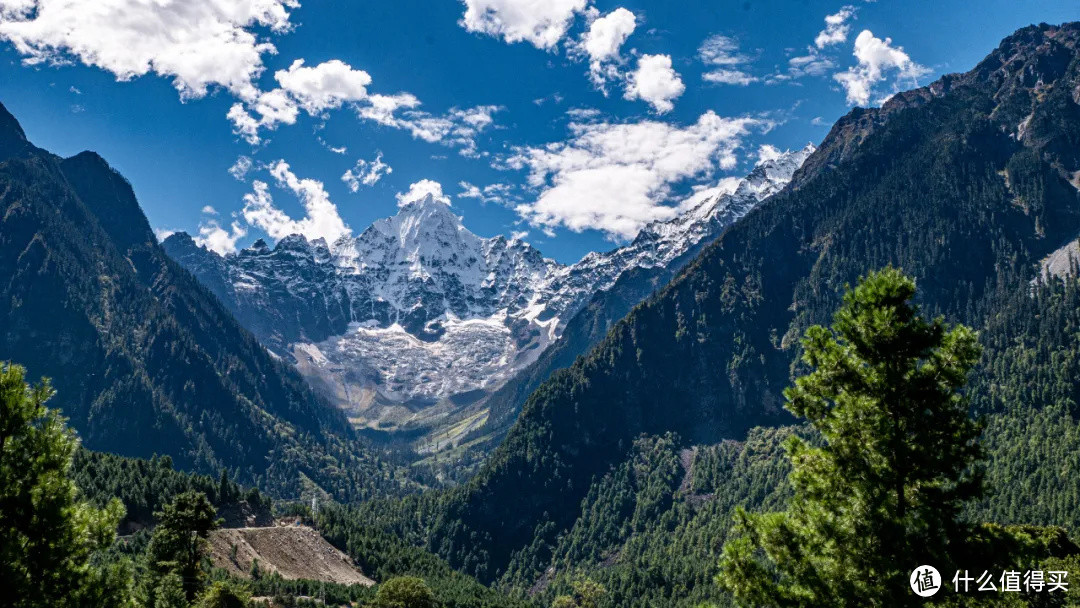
417	316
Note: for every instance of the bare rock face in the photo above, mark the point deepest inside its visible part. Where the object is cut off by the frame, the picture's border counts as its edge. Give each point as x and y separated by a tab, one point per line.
293	551
417	317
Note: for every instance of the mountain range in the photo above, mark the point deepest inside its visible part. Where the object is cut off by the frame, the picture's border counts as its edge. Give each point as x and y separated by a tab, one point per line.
632	403
417	320
627	465
144	359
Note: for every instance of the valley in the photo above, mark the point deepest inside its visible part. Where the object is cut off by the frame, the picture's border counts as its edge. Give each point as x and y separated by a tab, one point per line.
411	327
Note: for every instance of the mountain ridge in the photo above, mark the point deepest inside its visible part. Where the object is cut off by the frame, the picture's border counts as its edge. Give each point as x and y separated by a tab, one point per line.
942	189
379	321
144	359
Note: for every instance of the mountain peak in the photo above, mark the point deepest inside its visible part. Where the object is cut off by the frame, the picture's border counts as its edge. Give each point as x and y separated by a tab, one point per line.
256	248
427	200
110	197
179	238
12	137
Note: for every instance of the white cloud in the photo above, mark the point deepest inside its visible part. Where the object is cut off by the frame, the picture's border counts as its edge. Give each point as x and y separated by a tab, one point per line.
163	233
724	76
767	152
836	28
602	42
198	45
382	108
655	82
617	177
491	193
876	57
244	124
812	63
519	235
366	172
217	239
325	86
240	168
543	23
583	114
470	190
458	127
209	210
722	54
704	192
321	219
420	190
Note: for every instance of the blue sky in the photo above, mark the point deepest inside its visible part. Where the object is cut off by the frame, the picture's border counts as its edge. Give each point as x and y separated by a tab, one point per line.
503	100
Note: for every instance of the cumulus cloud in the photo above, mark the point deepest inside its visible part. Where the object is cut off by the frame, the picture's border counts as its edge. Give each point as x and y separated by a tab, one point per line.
209	210
240	168
617	177
315	89
198	45
366	172
876	57
836	28
602	42
324	86
321	219
421	189
721	55
219	240
655	82
333	84
542	23
491	193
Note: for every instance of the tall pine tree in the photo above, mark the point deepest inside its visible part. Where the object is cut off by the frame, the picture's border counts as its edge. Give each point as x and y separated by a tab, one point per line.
48	535
898	460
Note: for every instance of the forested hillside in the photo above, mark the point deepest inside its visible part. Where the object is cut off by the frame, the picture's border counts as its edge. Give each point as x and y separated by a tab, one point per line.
144	359
965	184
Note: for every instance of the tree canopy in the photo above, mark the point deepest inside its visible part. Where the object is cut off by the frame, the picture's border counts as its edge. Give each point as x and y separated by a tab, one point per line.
897	461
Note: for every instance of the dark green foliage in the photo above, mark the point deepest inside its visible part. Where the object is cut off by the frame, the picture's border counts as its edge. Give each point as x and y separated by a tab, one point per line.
50	539
145	359
896	466
669	557
179	541
384	555
145	486
221	594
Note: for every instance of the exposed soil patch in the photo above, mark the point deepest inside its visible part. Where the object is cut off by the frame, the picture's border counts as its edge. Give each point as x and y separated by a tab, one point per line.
293	551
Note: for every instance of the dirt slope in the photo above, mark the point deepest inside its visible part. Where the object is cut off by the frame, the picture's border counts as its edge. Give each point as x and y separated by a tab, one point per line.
293	551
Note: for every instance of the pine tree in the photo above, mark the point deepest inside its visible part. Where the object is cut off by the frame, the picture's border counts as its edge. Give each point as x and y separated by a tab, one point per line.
898	460
179	540
48	536
224	595
169	592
